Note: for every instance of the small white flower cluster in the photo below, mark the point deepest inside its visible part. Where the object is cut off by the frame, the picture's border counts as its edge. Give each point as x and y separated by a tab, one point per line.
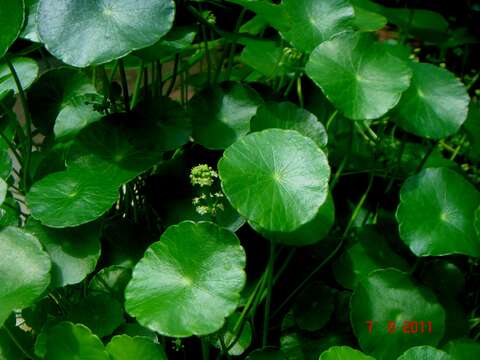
207	202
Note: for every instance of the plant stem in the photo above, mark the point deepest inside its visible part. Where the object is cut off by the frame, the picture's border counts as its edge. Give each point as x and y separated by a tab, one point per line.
307	279
331	118
234	44
28	126
174	78
205	349
123	79
266	318
299	91
12	148
138	82
207	53
357	209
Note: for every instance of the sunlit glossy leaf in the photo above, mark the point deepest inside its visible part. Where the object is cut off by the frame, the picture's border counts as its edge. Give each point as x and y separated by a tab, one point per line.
24	270
435	105
344	352
425	352
83	34
436	214
221	114
11	18
30	31
276	178
71	198
313	22
358	75
101	313
286	115
307	234
189	281
66	341
390	298
74	251
370	252
26	69
54	90
124	347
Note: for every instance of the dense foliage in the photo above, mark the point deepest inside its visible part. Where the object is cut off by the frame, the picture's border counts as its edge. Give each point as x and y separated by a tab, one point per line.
187	179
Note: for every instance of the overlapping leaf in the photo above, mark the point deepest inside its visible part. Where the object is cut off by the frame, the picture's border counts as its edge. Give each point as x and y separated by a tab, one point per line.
275	178
437	212
368	80
97	32
189	281
435	105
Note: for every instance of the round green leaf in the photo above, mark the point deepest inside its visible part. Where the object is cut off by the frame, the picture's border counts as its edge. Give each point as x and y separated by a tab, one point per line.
228	335
313	307
425	352
435	105
389	297
307	234
101	313
188	282
358	75
221	114
96	32
164	125
30	31
71	198
76	115
26	69
74	251
124	347
275	178
24	270
105	148
54	90
370	252
344	352
436	213
313	21
66	341
286	115
11	18
266	354
463	349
